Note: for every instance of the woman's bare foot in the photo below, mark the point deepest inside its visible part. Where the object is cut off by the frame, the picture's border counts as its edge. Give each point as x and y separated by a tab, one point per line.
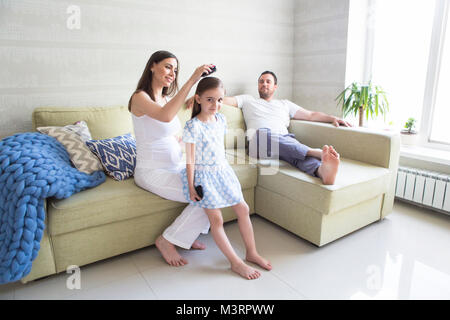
330	164
198	245
169	252
262	262
245	271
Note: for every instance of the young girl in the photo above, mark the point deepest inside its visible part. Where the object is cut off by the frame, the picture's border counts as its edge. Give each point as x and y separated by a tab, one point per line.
206	166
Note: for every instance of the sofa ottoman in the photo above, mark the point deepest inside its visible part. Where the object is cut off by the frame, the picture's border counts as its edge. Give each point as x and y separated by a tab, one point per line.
362	194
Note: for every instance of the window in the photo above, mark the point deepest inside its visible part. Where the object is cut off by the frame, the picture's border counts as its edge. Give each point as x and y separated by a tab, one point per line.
402	36
407	53
440	128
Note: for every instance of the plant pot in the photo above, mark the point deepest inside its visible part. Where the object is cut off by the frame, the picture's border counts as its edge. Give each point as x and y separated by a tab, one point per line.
409	138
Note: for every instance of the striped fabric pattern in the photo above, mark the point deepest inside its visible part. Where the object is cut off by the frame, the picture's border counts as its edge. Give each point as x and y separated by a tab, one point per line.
72	138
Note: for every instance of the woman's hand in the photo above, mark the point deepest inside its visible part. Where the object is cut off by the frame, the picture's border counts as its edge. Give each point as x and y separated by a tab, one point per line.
180	141
196	76
193	195
189	102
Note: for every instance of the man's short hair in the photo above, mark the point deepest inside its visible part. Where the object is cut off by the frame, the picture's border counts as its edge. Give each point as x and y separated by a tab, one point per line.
270	72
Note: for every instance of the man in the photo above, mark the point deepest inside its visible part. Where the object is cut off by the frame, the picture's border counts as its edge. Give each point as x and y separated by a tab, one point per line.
272	116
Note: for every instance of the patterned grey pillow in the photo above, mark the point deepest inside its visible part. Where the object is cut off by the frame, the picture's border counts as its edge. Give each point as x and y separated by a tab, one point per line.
81	129
72	137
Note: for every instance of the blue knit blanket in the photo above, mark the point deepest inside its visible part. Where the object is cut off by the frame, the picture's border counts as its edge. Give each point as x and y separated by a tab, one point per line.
33	167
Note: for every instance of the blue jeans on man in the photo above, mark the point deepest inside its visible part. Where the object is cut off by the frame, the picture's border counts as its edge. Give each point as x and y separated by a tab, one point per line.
285	147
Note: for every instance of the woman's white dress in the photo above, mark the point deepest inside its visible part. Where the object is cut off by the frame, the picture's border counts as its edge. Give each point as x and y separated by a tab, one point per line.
158	169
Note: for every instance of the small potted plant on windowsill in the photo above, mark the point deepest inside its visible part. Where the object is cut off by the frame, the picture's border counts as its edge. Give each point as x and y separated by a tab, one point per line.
409	135
365	99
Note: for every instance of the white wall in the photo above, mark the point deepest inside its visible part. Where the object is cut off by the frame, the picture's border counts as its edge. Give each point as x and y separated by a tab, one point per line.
45	63
320	49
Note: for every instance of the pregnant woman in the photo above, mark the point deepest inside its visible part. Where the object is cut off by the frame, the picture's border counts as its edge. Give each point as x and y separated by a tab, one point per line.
154	106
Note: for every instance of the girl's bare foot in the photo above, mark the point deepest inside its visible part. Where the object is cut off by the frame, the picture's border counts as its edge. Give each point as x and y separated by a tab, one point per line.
262	262
330	164
198	245
245	271
169	252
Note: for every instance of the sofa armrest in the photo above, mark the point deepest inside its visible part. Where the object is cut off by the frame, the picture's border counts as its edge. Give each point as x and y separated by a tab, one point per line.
377	147
380	148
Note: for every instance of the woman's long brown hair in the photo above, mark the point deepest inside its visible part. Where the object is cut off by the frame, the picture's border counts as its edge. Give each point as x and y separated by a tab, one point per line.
145	83
204	85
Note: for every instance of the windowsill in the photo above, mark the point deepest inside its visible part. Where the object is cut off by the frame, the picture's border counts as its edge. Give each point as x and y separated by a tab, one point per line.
426	154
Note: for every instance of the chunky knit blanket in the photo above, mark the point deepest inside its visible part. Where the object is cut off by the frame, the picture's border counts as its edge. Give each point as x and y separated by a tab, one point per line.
33	167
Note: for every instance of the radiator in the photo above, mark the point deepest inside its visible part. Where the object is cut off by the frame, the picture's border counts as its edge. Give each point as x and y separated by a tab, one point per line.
425	188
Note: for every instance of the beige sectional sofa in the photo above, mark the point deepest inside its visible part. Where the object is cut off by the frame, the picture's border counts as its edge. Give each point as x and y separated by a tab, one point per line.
118	217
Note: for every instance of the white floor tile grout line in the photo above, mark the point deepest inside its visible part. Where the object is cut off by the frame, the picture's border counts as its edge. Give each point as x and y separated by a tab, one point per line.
145	279
289	285
149	286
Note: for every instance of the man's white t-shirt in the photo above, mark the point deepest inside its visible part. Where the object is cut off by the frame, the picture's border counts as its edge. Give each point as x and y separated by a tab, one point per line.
259	113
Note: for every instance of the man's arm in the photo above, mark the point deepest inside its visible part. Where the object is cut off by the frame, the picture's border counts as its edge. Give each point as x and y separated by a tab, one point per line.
231	101
303	114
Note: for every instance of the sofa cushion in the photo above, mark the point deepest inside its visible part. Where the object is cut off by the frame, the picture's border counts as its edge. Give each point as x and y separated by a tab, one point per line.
109	202
247	173
80	155
355	182
117	155
103	122
80	128
119	200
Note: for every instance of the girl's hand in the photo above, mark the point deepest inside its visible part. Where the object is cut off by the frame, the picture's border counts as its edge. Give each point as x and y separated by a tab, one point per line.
196	76
193	194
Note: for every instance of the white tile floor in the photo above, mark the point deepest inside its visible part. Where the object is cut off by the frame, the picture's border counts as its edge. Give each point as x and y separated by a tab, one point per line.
405	256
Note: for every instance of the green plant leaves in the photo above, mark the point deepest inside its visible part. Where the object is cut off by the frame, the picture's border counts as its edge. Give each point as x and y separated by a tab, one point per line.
371	97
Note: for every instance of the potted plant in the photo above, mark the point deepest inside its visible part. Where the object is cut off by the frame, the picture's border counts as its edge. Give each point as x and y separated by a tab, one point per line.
409	135
365	99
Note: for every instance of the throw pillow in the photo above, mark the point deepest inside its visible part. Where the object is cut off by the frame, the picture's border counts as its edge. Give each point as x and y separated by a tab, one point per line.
117	155
71	137
81	129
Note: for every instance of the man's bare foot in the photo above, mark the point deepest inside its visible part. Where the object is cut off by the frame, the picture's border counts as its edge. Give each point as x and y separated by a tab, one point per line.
169	252
316	153
245	271
330	164
331	149
262	262
198	245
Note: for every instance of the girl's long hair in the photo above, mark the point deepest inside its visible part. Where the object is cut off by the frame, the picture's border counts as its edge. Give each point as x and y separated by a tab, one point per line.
204	85
145	83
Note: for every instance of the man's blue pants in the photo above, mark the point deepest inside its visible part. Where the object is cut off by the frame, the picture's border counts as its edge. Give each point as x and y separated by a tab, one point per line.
287	148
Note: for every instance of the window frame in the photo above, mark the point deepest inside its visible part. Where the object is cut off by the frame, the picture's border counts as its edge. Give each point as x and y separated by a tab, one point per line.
431	85
440	20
